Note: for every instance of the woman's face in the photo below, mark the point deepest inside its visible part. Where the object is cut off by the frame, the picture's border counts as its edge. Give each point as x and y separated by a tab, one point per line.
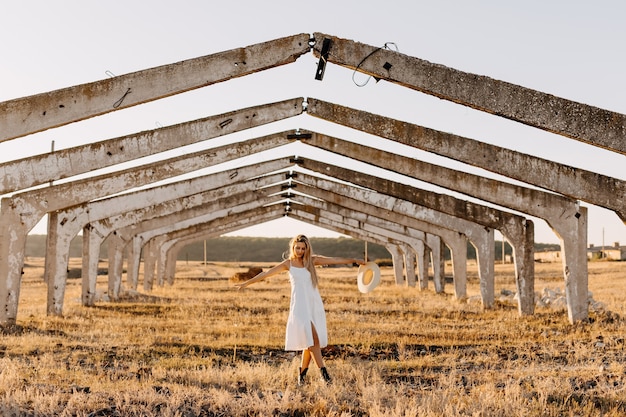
299	249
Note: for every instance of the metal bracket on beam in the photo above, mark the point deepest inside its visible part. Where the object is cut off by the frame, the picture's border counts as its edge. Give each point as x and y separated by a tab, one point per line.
291	175
321	65
299	136
297	160
288	186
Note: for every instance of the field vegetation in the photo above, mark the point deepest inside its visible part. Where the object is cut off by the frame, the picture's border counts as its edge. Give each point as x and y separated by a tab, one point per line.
201	348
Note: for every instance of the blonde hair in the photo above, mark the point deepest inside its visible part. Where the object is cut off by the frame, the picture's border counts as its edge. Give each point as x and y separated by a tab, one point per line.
307	258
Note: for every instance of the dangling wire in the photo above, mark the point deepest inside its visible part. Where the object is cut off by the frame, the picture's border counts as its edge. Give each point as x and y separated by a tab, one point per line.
385	46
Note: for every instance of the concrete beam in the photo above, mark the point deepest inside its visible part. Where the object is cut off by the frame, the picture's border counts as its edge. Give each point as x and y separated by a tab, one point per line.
598	127
40	169
36	113
575	183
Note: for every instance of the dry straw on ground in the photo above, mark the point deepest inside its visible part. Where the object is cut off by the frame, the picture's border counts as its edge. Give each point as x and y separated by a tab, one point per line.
201	348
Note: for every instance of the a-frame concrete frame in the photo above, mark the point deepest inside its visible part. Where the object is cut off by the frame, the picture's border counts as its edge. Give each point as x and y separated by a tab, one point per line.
92	209
169	224
65	230
171	242
169	249
578	121
110	222
448	222
403	235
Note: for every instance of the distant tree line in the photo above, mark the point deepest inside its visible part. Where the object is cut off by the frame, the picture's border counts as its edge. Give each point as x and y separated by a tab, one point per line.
263	249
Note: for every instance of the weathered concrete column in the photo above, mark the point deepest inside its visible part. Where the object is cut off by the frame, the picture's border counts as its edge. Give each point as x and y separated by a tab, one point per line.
171	257
134	262
17	218
522	242
575	270
486	270
409	265
422	264
92	240
398	263
149	264
458	250
58	250
161	263
116	265
439	263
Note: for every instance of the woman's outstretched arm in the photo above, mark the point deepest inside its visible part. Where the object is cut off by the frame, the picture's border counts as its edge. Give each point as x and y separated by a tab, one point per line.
326	260
283	266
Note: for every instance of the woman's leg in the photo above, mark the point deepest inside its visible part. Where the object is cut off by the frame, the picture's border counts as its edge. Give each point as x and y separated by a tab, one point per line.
316	350
306	359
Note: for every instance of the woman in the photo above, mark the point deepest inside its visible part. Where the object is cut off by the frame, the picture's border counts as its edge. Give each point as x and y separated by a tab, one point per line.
306	325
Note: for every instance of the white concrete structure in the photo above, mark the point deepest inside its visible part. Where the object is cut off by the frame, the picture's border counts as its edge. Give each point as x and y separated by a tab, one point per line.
73	206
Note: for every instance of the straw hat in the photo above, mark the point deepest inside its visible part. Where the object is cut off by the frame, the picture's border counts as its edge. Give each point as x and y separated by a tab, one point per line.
368	277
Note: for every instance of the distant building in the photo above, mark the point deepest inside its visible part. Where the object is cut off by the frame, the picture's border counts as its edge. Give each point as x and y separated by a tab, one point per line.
610	253
548	256
594	253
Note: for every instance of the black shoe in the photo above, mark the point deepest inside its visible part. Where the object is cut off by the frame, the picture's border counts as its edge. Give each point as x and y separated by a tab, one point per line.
302	375
325	375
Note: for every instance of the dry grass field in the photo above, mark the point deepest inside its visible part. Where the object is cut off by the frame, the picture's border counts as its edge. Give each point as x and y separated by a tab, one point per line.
201	348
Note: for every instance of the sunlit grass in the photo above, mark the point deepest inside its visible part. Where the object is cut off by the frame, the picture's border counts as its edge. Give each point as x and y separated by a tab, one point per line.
200	347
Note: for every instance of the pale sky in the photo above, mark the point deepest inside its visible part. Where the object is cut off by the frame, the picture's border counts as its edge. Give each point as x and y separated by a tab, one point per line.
572	49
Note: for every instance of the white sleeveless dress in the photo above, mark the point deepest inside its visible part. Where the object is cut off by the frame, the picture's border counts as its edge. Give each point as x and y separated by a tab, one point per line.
306	308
